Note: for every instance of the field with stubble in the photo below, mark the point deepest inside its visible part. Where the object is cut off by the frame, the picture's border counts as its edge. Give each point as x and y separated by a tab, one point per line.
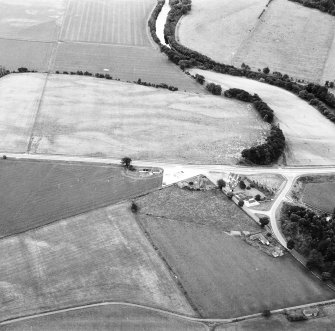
90	116
287	37
94	257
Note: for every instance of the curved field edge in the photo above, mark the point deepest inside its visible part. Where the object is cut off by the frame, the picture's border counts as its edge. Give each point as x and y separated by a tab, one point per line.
97	256
307	144
87	116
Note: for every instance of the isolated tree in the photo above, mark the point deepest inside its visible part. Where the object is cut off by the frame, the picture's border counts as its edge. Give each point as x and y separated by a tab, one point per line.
264	221
221	184
241	203
134	208
290	244
126	161
266	70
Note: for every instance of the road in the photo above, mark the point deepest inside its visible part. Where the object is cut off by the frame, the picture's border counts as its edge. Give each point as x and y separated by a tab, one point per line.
176	172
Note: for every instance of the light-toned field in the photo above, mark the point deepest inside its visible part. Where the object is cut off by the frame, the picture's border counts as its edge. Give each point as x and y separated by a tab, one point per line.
31	19
309	135
289	38
105	21
98	256
123	62
90	116
292	39
223	276
19	102
217	28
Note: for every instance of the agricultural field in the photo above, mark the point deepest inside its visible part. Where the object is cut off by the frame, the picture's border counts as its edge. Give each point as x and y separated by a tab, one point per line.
19	103
37	20
307	143
38	193
89	116
94	257
218	28
124	62
288	37
320	194
104	21
106	318
222	275
21	53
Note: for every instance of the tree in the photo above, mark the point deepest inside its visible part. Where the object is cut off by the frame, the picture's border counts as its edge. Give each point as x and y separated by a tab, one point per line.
126	161
290	244
315	260
264	221
200	79
134	208
221	184
242	185
257	197
266	70
266	313
241	203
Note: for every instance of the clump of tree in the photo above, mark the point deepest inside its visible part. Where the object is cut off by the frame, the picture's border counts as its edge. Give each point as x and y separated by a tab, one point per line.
312	235
326	6
161	85
214	88
268	152
262	108
264	221
126	161
200	79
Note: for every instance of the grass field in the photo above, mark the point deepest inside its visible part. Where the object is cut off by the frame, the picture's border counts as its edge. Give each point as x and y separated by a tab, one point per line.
288	37
222	275
89	116
31	19
104	21
218	28
22	53
320	196
307	143
124	62
210	208
38	193
90	258
108	318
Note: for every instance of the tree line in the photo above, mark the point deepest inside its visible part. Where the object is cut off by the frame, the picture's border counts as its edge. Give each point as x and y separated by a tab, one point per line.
187	58
313	236
326	6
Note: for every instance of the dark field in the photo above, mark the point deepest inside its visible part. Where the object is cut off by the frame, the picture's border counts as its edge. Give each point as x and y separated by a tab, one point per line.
320	196
211	208
114	317
222	275
38	193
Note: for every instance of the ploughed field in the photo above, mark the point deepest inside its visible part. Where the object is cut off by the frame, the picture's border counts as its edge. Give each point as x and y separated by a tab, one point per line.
38	193
288	37
310	137
97	36
89	116
94	257
222	276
